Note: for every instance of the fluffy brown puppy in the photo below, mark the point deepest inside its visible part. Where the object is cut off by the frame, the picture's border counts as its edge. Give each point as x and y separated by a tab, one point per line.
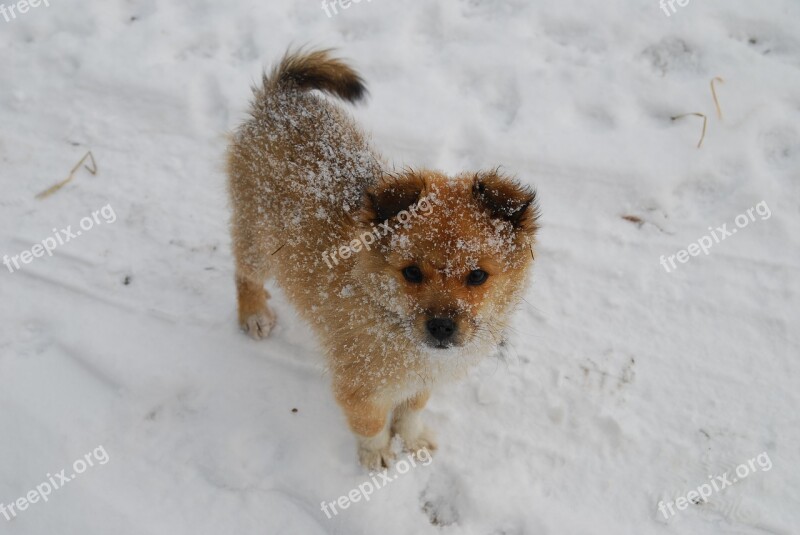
406	278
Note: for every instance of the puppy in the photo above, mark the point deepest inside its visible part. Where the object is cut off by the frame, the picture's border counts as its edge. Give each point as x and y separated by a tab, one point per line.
407	278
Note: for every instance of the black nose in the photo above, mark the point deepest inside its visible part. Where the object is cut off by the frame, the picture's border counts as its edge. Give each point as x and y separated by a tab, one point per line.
442	329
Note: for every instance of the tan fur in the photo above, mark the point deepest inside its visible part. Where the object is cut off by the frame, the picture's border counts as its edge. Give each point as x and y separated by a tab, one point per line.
304	182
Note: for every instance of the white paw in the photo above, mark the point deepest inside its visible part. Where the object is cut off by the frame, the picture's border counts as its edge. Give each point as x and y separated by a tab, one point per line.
376	460
424	439
259	325
415	435
375	453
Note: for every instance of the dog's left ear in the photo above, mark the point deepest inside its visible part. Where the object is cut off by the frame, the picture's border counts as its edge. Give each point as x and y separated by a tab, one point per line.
507	199
390	196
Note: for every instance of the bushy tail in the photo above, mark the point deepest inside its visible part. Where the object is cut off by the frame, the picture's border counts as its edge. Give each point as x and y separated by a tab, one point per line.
317	70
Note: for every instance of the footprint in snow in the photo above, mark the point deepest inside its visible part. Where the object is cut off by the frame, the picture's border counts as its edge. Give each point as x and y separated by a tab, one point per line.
781	148
672	54
436	499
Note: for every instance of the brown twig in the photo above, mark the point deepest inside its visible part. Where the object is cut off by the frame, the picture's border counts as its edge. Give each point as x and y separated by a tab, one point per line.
714	94
638	221
705	124
54	188
279	248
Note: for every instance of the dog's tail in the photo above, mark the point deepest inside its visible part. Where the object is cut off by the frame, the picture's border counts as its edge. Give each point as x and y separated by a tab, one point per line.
316	70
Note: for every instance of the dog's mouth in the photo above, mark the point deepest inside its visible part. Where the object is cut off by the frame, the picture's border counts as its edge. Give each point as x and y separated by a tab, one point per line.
436	344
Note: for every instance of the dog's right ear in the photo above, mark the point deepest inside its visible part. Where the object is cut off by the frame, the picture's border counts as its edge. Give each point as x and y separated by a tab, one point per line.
390	196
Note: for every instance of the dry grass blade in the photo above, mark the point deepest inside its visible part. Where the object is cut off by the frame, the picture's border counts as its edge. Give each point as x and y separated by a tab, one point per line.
705	124
714	94
635	219
54	188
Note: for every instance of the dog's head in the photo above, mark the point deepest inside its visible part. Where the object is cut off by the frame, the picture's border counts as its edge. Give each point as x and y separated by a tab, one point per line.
450	256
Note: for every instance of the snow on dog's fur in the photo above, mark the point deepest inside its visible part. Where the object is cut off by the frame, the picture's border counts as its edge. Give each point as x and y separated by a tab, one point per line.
428	298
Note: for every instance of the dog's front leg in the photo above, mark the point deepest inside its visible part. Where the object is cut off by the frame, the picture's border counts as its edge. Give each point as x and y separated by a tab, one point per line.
370	422
407	423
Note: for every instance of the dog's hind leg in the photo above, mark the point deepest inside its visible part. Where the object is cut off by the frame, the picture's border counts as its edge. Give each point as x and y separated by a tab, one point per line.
255	316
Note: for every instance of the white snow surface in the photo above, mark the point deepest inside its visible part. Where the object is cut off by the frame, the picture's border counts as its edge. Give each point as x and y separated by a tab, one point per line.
623	385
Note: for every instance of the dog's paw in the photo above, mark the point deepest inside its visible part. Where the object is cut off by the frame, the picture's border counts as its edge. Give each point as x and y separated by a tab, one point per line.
423	440
376	460
259	325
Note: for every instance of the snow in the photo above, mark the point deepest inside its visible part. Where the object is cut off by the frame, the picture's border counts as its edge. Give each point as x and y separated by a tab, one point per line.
622	384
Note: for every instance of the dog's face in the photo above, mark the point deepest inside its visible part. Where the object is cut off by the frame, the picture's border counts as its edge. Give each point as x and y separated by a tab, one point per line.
453	254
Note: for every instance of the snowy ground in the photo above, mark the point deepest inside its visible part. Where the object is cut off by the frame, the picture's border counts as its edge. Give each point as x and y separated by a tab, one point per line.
626	385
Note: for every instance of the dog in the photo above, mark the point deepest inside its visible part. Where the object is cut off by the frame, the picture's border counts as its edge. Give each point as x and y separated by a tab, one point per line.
407	278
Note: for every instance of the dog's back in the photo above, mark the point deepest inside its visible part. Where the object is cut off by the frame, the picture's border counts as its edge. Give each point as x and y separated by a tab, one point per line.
298	161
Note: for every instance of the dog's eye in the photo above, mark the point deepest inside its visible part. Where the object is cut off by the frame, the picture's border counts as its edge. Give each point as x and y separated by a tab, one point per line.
477	277
412	274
